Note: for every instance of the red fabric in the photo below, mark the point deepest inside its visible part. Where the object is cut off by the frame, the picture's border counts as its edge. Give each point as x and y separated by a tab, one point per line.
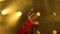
21	31
27	29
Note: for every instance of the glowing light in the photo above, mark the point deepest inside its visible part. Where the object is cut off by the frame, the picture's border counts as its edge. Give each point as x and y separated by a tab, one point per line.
3	12
13	18
54	13
38	32
54	32
38	14
1	0
19	13
10	9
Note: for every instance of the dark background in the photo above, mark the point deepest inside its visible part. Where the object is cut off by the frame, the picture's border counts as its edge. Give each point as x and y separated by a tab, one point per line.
48	22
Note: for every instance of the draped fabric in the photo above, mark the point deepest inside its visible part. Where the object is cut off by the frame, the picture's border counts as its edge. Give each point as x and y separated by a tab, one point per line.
27	29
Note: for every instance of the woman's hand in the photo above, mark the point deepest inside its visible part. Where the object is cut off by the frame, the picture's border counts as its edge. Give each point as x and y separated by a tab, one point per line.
33	16
36	22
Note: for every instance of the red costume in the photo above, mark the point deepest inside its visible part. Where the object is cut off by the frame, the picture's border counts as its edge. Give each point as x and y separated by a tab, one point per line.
27	29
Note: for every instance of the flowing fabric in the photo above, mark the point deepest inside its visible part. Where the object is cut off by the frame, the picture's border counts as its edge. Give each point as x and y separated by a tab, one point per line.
28	27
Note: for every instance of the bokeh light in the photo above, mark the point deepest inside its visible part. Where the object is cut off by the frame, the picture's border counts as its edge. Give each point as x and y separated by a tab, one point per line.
38	14
2	0
54	32
13	18
54	13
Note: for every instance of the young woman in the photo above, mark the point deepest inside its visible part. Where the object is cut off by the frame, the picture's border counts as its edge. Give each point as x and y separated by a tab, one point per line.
27	27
